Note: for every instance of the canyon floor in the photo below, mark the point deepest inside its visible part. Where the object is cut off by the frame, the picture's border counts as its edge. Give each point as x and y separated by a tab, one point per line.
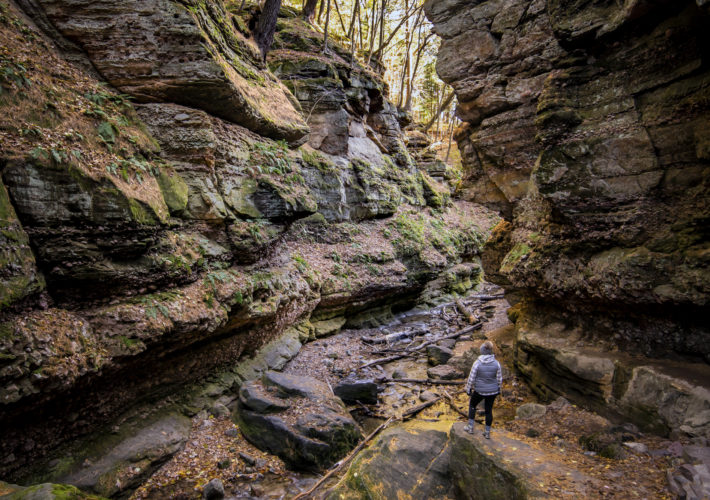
216	448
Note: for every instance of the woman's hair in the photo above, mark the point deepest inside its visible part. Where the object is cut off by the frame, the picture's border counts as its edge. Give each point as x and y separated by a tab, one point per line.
487	347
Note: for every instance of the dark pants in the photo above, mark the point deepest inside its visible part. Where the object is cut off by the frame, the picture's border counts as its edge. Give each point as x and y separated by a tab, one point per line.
487	403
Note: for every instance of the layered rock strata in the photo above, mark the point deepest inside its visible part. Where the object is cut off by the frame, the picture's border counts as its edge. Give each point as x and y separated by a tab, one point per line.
586	125
148	247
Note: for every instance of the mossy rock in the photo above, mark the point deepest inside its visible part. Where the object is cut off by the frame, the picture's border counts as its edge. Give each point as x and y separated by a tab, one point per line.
46	491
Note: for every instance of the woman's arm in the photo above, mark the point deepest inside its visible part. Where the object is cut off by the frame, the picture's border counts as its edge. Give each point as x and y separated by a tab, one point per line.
499	377
470	383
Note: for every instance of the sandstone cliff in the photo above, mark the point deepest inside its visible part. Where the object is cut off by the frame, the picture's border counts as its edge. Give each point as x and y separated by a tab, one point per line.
587	126
166	215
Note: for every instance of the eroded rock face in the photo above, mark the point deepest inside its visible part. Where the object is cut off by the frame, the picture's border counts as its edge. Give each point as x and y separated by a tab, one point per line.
586	125
184	52
151	247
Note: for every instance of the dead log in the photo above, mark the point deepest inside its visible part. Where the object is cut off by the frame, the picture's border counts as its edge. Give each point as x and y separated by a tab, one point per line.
461	332
392	337
385	360
427	381
464	311
413	411
344	461
486	298
453	405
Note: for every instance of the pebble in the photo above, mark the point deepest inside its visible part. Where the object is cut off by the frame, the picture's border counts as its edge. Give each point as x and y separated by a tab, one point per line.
213	490
637	447
247	458
233	432
224	464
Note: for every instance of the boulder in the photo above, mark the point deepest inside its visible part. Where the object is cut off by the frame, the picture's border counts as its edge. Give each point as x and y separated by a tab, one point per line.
438	355
445	372
410	460
530	410
503	467
351	391
312	430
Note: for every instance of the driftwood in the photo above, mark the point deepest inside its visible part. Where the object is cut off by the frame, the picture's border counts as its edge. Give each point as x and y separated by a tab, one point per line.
485	298
463	311
463	331
453	405
385	360
427	381
391	337
413	411
344	461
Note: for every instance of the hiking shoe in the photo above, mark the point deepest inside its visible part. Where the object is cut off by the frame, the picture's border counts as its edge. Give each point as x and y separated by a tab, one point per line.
487	434
468	428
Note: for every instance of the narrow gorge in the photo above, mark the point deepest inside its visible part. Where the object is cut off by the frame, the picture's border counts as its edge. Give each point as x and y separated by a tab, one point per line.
225	275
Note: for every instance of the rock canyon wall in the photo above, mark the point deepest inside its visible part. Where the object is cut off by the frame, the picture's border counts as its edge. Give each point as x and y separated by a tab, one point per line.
170	208
586	125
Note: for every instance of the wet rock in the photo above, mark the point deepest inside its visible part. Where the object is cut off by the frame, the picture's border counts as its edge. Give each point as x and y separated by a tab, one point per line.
478	466
213	490
530	410
406	461
312	432
438	355
351	390
444	372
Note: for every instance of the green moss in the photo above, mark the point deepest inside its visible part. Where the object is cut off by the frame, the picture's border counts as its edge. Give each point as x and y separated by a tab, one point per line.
174	190
139	213
514	256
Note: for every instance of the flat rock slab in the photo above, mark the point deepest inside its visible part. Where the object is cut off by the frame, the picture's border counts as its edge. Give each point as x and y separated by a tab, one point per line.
409	460
122	466
297	418
506	468
45	491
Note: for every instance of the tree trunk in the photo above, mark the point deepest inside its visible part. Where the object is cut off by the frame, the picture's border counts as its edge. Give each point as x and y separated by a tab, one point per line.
327	22
442	107
266	26
309	10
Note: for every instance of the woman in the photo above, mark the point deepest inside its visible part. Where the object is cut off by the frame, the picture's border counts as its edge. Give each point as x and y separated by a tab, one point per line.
484	383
